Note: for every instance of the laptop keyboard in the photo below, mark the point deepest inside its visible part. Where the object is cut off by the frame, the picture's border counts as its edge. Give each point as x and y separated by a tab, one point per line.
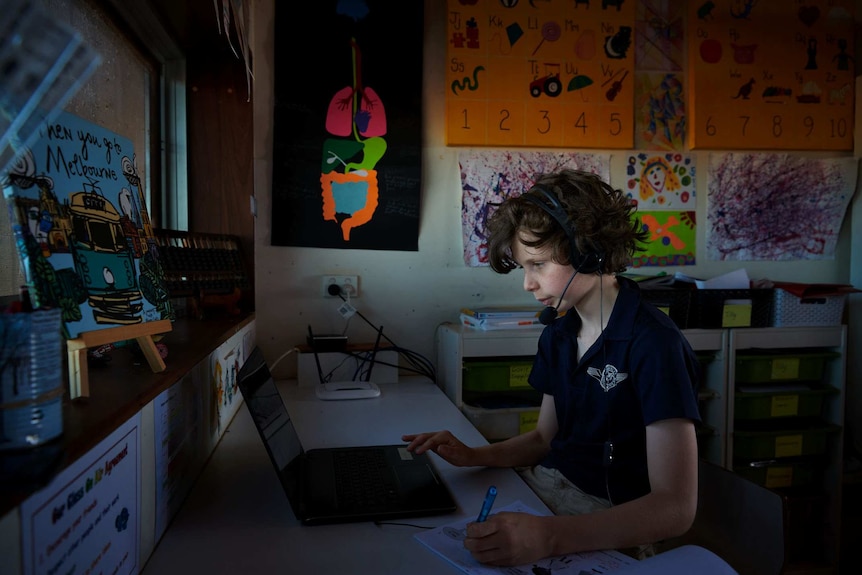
364	479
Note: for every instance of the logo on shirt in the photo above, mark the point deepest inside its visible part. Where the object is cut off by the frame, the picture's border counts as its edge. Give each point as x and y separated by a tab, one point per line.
609	377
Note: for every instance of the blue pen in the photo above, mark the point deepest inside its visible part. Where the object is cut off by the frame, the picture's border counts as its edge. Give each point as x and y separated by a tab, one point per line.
486	505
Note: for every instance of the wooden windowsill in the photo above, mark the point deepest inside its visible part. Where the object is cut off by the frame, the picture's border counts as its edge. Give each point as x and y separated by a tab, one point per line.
118	390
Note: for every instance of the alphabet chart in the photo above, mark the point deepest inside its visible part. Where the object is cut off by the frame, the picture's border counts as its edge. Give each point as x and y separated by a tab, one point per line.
771	75
555	73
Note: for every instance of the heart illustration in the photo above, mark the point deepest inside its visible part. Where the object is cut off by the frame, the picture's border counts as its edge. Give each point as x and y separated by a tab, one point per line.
809	14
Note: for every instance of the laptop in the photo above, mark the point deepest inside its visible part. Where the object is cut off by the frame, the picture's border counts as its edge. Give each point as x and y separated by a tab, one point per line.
339	485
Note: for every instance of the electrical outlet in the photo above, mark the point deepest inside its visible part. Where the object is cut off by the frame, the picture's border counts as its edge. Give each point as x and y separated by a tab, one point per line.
349	285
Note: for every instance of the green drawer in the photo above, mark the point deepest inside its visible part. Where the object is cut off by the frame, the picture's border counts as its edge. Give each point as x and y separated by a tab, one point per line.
781	443
781	367
773	404
503	375
777	475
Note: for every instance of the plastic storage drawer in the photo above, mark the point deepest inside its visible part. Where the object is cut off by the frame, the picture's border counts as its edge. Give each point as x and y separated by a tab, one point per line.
499	424
775	475
768	444
717	308
499	375
781	367
795	401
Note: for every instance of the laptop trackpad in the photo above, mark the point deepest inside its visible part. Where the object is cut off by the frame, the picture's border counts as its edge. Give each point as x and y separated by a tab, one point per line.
412	477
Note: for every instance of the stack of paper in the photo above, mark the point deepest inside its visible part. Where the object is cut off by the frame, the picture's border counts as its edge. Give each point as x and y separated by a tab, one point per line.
501	317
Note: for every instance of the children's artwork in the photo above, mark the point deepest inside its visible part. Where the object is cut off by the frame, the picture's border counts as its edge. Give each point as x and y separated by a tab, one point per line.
661	181
347	134
540	74
659	35
771	75
672	239
490	176
82	230
776	206
659	111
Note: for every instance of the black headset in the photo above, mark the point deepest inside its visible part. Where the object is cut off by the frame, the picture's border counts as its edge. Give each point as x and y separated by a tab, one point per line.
585	263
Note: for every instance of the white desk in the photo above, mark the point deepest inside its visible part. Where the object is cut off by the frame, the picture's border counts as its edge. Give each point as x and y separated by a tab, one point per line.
237	518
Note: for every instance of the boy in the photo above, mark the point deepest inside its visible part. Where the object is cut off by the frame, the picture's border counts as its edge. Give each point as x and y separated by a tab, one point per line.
614	453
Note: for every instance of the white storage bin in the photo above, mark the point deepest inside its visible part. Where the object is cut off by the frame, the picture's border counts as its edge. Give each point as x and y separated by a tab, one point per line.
790	310
502	423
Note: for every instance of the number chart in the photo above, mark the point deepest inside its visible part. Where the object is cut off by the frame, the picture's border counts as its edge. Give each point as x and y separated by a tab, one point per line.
771	75
556	73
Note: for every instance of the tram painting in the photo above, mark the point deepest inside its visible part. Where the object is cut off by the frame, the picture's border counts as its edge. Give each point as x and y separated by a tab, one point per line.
81	228
103	260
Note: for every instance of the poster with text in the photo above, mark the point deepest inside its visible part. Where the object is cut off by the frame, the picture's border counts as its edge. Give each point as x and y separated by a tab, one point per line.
347	134
771	75
87	519
556	73
82	229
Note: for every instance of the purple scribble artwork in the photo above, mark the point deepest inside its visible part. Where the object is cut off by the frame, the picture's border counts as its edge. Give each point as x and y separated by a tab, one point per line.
776	206
490	176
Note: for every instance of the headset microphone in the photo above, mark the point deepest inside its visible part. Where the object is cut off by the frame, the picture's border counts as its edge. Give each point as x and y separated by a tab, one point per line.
549	314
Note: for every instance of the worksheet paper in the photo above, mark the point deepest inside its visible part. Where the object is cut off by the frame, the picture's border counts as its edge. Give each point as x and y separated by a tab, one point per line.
448	542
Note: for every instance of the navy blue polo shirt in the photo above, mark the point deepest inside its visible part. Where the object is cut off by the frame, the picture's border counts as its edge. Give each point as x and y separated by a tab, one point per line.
639	371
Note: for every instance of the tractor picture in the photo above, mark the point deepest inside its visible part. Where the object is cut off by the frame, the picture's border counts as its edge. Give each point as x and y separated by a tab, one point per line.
550	85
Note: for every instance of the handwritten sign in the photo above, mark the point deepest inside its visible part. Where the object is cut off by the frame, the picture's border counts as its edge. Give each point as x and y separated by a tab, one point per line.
86	521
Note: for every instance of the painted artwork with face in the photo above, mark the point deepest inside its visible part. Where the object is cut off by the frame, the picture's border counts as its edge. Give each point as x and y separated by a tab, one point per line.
661	181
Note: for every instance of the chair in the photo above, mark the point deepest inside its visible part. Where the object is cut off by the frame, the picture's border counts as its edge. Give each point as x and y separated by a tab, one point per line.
738	520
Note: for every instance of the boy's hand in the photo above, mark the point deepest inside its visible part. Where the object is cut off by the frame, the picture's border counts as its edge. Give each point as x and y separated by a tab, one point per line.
444	444
508	538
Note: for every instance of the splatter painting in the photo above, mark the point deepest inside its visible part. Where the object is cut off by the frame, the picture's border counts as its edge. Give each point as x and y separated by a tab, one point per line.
491	176
659	111
776	207
659	181
672	239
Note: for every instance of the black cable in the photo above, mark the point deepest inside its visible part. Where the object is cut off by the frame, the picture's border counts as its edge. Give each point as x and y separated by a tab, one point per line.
420	364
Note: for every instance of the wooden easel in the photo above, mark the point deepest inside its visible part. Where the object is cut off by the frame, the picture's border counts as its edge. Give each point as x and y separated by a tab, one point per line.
143	333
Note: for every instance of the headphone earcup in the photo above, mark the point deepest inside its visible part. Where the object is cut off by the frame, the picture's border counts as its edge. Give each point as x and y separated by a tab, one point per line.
585	263
588	263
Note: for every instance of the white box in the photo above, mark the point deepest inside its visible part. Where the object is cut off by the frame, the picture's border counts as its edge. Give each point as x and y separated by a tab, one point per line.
791	310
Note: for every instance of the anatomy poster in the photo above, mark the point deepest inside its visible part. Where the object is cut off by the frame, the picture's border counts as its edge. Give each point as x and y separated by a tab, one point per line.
771	75
347	128
661	181
490	176
672	239
776	207
556	73
82	230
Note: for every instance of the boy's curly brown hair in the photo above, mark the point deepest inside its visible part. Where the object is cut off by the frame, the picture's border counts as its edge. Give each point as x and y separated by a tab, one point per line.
601	218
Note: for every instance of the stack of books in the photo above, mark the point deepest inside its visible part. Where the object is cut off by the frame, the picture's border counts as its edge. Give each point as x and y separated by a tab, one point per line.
501	317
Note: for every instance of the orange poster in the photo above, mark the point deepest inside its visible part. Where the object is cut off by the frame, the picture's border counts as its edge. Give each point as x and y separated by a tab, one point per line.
556	73
769	74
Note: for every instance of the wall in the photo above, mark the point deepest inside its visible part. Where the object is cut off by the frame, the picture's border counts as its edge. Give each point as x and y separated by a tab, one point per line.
410	293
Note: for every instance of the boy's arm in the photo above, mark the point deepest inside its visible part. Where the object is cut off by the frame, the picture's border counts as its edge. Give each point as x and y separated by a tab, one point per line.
667	511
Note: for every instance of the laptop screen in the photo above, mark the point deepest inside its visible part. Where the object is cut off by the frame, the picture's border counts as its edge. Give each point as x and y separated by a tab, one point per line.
268	411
